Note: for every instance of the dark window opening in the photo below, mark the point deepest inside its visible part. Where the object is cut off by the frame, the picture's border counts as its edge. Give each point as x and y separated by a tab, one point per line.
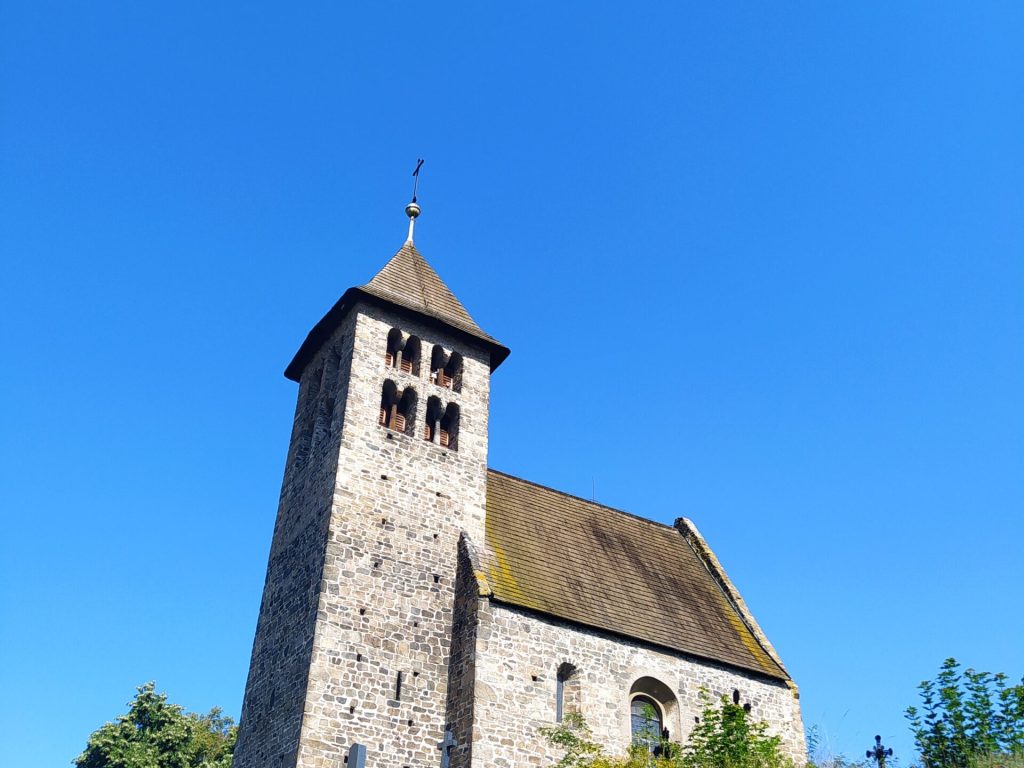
567	691
397	409
393	349
645	722
448	430
410	362
445	369
433	416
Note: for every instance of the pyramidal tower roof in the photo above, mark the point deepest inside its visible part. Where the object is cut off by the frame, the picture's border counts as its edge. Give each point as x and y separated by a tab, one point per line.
407	280
407	283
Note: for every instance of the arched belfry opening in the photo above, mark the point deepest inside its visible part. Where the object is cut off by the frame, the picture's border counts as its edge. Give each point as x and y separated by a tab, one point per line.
411	356
453	370
394	348
448	433
438	358
430	423
397	408
446	369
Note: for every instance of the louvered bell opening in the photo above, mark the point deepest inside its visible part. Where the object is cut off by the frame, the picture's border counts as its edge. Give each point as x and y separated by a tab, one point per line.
427	434
406	366
444	380
442	437
389	360
383	418
398	423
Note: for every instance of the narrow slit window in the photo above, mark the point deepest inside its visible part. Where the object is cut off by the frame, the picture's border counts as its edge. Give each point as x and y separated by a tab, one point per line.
567	691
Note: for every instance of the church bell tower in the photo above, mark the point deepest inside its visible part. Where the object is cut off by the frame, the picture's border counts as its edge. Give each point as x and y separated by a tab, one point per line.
387	467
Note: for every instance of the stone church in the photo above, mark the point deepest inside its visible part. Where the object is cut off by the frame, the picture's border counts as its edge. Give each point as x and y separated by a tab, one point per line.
439	612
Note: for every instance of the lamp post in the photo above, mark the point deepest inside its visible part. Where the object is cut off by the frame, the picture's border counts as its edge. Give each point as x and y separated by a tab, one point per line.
879	752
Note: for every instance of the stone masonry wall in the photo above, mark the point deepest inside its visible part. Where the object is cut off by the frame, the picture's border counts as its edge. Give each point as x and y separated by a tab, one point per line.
517	657
275	691
385	605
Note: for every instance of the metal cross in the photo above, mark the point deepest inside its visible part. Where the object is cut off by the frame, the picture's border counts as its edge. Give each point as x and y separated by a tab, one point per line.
416	177
879	753
446	747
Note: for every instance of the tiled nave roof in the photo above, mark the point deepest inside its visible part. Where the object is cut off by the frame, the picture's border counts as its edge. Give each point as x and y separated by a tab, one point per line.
596	566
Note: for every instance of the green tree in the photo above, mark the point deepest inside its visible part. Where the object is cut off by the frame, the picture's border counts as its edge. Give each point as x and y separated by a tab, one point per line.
156	734
966	716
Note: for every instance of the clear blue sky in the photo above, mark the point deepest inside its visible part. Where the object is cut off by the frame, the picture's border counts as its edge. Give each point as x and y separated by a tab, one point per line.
761	266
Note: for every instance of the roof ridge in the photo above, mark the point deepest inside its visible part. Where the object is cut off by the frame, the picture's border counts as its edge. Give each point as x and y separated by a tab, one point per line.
623	512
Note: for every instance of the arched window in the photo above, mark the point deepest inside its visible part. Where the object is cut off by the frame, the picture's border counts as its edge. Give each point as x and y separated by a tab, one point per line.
437	360
397	409
652	707
407	410
567	691
446	369
453	370
393	349
448	434
411	356
645	721
434	413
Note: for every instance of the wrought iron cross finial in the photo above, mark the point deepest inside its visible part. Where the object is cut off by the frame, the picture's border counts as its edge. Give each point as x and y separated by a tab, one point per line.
416	178
879	752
